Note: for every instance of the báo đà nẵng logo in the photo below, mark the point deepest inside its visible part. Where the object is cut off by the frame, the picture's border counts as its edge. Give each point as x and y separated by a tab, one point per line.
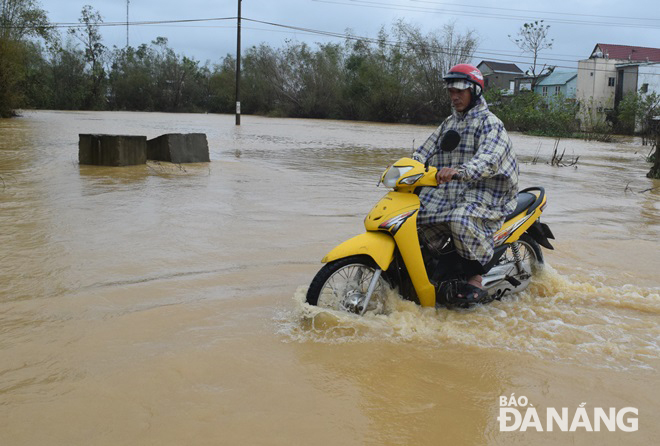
517	414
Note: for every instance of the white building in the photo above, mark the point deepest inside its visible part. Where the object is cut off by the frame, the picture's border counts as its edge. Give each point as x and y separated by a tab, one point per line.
609	74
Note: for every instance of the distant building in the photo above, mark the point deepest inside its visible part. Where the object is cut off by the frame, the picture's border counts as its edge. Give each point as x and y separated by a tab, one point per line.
523	83
610	73
557	84
499	75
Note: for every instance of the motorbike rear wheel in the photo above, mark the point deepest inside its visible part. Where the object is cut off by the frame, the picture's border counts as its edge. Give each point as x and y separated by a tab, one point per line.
530	253
342	285
513	273
530	256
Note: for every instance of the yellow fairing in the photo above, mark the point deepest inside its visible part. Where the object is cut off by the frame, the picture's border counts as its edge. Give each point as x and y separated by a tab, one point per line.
391	205
407	240
377	245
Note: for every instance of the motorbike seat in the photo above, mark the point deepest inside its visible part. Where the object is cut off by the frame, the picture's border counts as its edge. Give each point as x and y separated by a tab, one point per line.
525	200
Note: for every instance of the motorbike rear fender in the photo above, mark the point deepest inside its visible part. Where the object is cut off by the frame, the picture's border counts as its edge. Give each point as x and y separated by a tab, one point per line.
377	245
541	233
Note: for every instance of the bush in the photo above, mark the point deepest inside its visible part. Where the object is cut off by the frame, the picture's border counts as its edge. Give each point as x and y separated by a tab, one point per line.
529	112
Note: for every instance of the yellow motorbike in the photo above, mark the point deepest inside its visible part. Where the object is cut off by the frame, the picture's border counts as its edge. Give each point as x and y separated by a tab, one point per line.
358	273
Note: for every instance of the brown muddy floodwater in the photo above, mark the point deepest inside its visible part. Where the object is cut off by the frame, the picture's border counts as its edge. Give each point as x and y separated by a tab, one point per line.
163	304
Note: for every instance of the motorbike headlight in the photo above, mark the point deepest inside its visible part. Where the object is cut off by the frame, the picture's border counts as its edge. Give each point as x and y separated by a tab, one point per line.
393	174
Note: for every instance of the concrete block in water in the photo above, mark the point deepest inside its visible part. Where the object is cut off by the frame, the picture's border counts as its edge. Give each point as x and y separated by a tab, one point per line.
112	150
179	148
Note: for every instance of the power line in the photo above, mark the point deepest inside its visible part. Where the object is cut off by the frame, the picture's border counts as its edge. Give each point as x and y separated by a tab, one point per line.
399	7
532	11
140	23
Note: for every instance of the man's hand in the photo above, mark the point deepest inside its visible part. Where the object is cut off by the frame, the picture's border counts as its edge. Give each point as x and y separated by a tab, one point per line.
444	175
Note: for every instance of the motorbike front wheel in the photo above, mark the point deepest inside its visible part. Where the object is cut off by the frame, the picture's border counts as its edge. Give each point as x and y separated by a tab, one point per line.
342	285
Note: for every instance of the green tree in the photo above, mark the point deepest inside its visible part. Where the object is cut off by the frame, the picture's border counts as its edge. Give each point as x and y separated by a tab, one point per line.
529	112
433	54
222	86
626	114
23	19
259	89
131	79
635	114
305	81
89	35
181	84
649	110
37	84
69	79
20	22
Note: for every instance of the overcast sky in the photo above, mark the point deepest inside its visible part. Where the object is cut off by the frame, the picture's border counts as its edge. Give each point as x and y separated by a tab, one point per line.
575	26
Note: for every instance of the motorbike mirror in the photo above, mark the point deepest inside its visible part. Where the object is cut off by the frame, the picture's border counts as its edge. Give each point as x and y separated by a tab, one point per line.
450	141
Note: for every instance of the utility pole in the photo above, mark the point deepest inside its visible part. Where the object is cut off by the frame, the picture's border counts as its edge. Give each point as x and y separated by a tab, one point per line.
127	2
238	66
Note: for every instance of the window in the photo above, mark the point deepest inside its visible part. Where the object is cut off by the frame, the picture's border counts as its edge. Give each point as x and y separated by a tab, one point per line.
557	90
610	82
645	88
545	91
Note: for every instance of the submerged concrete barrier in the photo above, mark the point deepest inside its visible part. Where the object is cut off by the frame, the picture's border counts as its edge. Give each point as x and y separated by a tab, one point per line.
179	148
112	150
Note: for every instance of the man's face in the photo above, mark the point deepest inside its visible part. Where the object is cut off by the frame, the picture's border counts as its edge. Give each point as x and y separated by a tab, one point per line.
460	99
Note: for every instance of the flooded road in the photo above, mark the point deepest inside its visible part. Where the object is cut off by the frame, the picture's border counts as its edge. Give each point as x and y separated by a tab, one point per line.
163	304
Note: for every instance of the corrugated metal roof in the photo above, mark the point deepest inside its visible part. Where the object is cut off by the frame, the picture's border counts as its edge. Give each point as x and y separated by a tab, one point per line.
502	67
626	52
555	78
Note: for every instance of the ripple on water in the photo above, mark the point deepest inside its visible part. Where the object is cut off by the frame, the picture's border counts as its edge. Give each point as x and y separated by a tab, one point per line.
557	318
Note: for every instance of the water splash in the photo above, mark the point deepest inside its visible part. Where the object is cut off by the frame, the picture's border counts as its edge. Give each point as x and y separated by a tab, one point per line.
558	318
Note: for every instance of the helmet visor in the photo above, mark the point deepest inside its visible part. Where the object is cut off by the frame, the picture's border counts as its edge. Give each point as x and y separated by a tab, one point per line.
458	84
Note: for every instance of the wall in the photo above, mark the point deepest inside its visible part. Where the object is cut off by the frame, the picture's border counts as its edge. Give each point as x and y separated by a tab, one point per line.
567	90
649	74
594	93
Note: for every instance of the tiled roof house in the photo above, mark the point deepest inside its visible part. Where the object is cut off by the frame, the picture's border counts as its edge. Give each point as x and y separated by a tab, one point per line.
611	72
626	52
499	75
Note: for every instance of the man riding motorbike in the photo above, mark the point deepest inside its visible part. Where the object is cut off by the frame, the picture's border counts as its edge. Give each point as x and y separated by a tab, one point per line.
473	208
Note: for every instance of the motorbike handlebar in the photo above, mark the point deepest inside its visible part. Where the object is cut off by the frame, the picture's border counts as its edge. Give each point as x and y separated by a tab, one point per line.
460	176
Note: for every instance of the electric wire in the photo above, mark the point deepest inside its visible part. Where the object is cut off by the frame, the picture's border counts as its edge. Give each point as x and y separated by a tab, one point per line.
122	24
399	7
532	11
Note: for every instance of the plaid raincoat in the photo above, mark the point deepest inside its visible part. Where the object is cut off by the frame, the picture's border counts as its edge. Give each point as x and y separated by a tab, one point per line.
473	209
